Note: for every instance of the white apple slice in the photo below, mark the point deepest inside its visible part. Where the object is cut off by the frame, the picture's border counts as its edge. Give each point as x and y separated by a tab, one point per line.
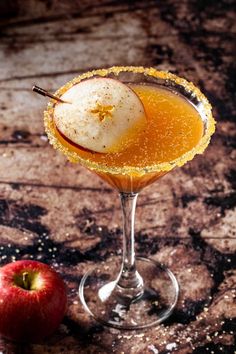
103	115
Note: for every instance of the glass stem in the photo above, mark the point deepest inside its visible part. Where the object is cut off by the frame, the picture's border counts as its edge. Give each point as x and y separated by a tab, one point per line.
130	280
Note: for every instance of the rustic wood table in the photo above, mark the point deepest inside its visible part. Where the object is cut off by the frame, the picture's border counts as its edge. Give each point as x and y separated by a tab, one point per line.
59	213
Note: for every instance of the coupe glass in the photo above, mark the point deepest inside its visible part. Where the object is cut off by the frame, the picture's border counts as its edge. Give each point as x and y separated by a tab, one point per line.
143	292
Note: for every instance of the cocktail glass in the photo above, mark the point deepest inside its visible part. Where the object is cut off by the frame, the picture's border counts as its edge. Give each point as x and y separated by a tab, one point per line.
143	292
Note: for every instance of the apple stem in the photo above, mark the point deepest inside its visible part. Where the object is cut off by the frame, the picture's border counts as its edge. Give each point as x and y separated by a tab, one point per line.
26	280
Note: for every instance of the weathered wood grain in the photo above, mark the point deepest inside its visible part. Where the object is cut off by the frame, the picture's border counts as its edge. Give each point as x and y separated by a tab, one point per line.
61	214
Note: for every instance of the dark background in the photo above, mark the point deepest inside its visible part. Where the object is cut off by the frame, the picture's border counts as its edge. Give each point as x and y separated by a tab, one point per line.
61	214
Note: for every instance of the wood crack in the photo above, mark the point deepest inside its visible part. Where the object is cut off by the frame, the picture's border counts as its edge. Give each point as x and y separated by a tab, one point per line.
85	13
54	186
51	74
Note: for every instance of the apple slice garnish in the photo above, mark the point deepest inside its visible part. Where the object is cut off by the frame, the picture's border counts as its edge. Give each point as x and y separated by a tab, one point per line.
103	116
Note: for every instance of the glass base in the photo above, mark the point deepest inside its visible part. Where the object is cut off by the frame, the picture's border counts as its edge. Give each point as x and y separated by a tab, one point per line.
111	305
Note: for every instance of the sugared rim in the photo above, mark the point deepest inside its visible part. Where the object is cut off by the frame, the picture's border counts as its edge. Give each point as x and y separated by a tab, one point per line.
163	166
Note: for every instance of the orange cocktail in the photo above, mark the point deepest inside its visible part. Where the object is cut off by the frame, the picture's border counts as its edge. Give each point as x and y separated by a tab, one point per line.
173	127
178	125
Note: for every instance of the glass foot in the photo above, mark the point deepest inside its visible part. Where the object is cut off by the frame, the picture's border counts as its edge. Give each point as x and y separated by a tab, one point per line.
111	305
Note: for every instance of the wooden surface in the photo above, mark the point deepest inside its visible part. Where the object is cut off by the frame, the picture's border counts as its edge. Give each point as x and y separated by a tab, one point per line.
59	213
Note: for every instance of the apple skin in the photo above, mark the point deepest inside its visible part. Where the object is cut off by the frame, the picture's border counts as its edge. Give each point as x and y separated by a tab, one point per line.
30	315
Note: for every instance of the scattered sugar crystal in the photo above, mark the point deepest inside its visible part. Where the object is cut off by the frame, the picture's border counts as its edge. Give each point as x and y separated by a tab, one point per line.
128	337
43	138
171	346
153	348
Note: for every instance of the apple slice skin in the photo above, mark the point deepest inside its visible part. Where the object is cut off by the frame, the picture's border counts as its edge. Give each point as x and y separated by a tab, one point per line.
31	315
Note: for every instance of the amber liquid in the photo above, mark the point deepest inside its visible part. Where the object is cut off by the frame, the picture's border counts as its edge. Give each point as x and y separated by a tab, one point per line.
173	127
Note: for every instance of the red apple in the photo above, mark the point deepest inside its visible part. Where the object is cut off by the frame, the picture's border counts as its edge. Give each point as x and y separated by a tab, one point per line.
32	301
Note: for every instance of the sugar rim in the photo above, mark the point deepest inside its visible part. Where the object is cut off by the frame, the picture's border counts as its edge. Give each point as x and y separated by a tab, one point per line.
130	170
